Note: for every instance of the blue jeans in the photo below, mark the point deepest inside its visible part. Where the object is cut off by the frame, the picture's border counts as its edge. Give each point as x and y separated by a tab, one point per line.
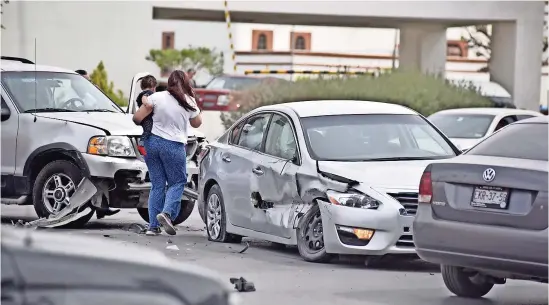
167	163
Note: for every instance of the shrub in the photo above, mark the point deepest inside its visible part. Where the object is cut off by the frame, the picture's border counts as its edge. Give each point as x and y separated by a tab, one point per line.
100	78
423	93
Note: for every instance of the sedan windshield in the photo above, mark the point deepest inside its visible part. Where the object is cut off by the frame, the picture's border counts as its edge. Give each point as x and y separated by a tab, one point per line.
233	83
462	126
374	137
55	92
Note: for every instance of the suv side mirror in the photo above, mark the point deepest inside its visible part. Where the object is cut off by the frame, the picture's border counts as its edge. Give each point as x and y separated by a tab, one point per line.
5	113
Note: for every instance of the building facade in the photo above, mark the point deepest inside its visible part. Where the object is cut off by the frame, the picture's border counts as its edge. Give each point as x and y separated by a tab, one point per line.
80	34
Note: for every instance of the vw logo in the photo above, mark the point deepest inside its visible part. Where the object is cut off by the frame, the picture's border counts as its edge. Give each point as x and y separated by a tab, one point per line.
489	174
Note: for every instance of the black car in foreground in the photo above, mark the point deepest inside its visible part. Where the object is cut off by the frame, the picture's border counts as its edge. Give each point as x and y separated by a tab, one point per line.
58	269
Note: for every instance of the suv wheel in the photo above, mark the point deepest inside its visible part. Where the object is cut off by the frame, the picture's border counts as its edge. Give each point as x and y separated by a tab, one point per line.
187	207
53	187
463	284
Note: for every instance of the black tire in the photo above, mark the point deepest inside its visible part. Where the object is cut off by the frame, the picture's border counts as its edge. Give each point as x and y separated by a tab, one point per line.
201	208
222	236
305	244
459	283
186	210
57	167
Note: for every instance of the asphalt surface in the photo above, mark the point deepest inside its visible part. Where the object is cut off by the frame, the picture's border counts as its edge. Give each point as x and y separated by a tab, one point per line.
282	277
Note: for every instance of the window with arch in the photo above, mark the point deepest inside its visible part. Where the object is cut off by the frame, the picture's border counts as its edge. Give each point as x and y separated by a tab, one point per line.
262	40
299	43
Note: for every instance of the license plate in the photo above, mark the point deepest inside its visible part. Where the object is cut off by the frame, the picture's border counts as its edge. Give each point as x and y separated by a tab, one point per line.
490	197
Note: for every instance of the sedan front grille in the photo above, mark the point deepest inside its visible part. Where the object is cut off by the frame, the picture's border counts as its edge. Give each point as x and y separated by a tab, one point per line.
405	241
408	201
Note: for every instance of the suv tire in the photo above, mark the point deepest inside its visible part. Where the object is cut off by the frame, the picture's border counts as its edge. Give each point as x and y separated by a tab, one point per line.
187	207
60	168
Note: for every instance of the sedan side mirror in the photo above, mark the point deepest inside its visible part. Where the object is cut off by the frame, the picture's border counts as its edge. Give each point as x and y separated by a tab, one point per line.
6	113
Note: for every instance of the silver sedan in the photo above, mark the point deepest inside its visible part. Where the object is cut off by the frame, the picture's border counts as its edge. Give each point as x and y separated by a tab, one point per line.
332	177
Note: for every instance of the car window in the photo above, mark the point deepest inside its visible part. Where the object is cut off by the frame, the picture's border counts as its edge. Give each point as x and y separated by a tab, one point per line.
424	141
373	136
55	91
280	141
252	132
232	83
522	141
524	117
462	126
235	133
505	121
91	296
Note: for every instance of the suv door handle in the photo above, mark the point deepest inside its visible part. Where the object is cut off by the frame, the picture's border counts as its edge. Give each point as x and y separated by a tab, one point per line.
257	170
226	159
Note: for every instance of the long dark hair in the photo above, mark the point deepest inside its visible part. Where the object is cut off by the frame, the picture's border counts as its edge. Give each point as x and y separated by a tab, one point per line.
178	87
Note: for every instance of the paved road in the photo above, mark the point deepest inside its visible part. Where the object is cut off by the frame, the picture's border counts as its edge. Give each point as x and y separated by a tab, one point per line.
282	277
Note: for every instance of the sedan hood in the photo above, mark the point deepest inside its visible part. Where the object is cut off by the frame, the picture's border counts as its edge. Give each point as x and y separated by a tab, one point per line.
115	123
464	143
385	175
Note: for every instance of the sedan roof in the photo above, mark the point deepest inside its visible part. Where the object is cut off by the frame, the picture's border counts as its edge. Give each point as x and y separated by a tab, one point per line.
489	111
535	120
339	107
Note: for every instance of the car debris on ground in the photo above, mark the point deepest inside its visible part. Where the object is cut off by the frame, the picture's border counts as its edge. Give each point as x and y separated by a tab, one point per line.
241	285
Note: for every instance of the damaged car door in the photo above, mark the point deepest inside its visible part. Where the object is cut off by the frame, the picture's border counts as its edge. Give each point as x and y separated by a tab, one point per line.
274	186
237	165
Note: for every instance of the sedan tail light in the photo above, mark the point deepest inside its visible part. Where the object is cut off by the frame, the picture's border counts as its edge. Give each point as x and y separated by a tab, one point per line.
425	188
142	150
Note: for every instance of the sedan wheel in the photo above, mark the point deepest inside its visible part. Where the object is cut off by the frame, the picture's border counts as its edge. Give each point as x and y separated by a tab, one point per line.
310	237
216	220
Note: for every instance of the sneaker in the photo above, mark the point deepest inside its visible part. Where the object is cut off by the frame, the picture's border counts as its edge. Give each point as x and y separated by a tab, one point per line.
166	223
153	231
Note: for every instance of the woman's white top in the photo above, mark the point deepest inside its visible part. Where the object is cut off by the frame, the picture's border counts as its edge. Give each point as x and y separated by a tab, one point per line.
170	120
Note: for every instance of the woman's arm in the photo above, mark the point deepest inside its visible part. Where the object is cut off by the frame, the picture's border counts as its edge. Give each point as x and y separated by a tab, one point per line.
196	121
142	113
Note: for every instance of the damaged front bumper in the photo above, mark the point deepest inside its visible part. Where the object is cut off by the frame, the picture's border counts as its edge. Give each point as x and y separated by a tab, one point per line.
125	183
346	230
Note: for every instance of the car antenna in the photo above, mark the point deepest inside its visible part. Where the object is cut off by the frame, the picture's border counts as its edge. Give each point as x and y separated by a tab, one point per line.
35	84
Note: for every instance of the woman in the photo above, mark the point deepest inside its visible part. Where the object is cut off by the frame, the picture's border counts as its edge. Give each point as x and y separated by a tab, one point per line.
166	159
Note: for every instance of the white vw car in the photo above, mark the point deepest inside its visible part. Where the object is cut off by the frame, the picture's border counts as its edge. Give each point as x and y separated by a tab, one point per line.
332	177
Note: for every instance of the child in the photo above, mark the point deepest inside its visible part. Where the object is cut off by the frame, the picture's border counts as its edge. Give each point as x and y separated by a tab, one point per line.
148	85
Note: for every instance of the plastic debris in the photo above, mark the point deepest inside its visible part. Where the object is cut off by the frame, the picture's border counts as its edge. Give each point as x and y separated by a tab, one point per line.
241	285
245	248
137	228
173	247
169	241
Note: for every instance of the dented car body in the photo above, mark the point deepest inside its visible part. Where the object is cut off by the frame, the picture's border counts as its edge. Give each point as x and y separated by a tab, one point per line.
332	177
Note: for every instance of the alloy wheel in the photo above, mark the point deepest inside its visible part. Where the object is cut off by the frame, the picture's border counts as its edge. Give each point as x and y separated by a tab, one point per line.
214	216
57	192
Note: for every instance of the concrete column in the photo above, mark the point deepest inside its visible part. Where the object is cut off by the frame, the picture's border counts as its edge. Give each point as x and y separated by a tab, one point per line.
423	48
515	61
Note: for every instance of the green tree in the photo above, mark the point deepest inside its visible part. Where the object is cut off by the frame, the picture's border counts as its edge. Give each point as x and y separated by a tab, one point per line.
100	78
479	39
2	3
198	58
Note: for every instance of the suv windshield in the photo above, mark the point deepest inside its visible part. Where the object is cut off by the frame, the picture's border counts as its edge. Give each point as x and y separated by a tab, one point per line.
55	92
373	137
462	126
233	83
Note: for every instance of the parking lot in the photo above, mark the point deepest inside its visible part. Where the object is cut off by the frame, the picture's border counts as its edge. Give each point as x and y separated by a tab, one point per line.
282	277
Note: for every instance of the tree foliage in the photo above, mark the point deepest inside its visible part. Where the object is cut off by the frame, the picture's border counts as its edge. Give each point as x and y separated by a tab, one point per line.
100	78
198	58
424	93
2	3
479	39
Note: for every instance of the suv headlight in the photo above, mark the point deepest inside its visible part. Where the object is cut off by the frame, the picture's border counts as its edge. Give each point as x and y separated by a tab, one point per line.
114	146
223	100
354	200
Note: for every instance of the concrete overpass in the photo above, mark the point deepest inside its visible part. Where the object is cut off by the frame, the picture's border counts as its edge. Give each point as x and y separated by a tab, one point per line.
517	30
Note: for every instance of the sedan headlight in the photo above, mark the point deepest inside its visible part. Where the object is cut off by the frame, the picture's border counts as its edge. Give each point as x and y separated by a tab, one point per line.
114	146
354	200
223	100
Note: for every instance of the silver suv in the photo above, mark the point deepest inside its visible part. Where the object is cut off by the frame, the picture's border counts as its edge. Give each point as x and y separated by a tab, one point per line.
57	129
